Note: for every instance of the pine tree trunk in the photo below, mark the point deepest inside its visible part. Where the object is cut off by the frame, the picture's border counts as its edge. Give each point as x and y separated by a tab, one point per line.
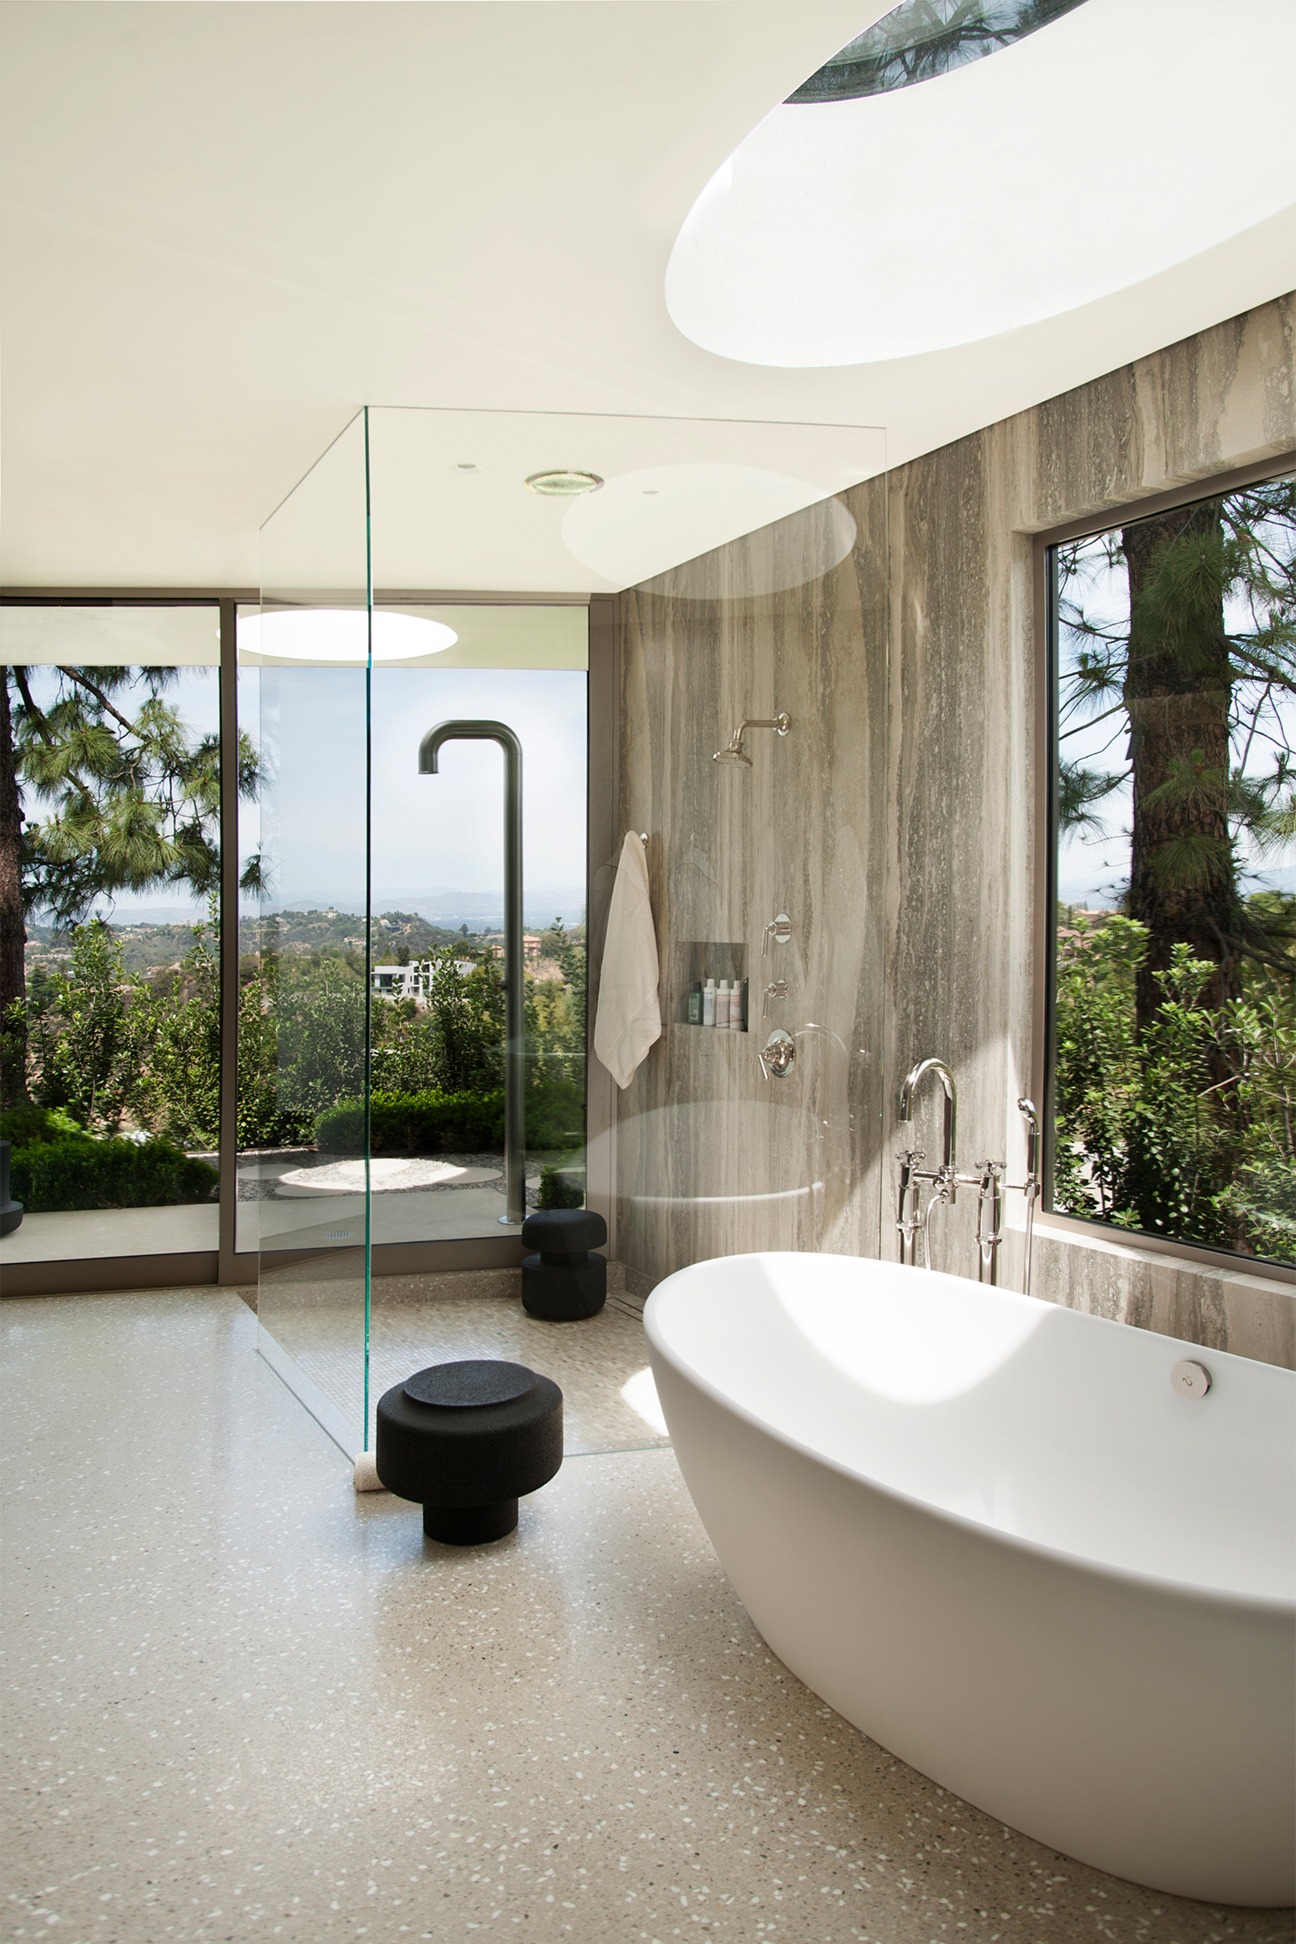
13	932
1178	690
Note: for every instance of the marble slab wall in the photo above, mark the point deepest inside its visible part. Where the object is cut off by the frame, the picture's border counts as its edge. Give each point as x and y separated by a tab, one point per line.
896	824
712	1156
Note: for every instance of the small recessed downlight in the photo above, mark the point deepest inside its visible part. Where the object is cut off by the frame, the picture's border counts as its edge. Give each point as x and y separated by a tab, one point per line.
563	483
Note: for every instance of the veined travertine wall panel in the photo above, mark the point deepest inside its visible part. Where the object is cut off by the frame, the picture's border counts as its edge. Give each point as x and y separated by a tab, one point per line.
712	1157
906	791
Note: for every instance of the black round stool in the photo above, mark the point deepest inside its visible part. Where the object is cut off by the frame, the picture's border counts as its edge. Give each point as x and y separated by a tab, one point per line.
563	1282
466	1441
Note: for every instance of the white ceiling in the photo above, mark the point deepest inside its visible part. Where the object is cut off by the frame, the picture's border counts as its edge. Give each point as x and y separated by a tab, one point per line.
229	223
450	507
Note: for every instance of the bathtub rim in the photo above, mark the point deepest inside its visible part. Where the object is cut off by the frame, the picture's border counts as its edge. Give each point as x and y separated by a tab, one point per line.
1270	1606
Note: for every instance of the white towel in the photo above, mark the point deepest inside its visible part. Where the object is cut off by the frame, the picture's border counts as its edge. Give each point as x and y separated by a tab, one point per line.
629	1015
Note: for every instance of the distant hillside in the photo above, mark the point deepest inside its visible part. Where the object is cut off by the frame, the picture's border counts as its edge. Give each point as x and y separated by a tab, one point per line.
145	948
396	932
479	910
398	937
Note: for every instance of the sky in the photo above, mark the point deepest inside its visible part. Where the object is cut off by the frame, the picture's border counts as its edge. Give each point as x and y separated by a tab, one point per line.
432	835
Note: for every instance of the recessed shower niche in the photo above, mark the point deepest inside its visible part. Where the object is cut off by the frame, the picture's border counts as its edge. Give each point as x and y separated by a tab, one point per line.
709	966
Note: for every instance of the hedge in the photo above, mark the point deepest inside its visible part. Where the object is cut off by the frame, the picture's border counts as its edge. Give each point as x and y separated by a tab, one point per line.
431	1123
26	1125
562	1187
55	1175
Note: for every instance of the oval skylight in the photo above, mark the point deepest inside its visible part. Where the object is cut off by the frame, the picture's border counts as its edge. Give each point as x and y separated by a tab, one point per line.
920	39
1078	162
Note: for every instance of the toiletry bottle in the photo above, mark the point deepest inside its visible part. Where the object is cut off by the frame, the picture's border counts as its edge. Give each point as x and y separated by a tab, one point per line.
695	1003
722	1003
708	1003
735	1006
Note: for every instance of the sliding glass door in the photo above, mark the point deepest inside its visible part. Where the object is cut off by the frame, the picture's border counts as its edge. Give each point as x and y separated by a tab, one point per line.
110	862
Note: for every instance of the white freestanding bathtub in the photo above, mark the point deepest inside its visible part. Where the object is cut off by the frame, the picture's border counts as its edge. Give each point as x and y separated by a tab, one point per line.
991	1533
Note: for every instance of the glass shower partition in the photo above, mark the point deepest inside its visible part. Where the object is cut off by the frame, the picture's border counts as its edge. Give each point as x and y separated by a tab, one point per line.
424	657
304	1036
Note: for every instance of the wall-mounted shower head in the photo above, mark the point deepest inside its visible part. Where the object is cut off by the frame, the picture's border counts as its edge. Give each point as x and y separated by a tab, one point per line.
734	751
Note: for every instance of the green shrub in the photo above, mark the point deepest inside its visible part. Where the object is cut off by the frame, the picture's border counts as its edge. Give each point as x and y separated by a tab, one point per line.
55	1175
431	1123
340	1129
27	1126
555	1115
562	1187
417	1123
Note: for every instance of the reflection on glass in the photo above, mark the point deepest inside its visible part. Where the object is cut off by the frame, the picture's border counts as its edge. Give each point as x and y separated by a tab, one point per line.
111	1011
921	39
438	967
1175	1015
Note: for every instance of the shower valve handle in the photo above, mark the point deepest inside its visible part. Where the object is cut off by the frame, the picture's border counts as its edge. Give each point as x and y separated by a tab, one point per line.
779	929
777	989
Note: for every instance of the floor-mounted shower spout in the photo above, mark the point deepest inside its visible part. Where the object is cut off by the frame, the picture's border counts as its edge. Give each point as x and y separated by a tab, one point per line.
514	1041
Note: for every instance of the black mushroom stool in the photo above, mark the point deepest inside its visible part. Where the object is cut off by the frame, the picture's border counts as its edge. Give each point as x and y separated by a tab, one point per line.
563	1281
466	1441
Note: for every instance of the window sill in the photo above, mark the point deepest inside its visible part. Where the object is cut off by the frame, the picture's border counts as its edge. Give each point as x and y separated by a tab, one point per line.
1137	1247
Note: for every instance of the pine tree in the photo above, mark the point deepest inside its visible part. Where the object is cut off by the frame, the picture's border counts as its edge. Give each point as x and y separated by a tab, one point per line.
1192	678
102	790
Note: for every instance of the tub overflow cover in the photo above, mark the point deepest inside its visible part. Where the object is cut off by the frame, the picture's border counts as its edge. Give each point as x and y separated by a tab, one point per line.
1190	1379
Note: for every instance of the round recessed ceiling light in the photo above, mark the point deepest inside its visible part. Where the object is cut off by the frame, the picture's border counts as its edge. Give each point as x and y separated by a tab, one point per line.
563	483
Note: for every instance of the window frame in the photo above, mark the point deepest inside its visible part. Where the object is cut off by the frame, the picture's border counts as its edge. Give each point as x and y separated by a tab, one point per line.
1044	1023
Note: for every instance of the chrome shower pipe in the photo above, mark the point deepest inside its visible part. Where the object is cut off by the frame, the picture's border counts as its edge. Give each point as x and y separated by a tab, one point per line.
514	1033
909	1215
989	1185
733	751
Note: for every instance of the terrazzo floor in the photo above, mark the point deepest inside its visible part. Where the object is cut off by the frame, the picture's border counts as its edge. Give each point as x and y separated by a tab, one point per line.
243	1703
600	1364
